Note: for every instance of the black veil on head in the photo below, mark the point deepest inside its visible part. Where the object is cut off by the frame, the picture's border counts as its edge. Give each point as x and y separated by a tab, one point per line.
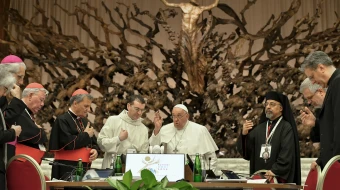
286	110
287	114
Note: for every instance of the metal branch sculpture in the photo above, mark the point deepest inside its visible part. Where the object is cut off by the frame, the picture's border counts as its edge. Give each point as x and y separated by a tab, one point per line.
224	85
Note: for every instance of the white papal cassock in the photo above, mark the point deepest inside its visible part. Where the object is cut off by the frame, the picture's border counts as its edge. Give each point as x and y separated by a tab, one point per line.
192	139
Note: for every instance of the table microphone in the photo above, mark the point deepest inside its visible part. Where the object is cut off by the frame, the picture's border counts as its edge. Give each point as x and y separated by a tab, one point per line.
55	163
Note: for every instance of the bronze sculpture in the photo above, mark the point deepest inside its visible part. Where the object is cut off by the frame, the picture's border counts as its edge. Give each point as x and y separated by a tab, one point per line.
195	64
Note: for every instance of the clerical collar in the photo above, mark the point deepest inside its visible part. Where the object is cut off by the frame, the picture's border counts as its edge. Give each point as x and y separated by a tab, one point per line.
73	114
274	121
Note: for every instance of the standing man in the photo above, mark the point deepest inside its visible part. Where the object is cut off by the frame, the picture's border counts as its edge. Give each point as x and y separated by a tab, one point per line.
273	145
16	66
70	139
314	94
124	131
319	68
32	138
11	105
6	135
184	136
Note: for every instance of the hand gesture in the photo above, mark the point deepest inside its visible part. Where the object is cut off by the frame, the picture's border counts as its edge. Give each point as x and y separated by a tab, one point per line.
123	135
157	121
89	129
247	125
307	117
17	129
16	91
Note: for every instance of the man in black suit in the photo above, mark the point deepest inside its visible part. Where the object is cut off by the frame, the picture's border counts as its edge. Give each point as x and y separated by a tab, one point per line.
6	135
319	68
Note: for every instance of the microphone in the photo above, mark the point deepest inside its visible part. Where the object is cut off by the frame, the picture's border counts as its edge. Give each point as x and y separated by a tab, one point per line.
55	163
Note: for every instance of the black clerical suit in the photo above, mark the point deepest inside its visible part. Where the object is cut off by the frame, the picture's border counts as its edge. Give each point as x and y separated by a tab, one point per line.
329	120
68	134
315	131
31	135
8	135
282	157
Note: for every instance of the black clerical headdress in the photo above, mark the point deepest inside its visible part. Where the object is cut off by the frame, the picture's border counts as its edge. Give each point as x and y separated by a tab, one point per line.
286	110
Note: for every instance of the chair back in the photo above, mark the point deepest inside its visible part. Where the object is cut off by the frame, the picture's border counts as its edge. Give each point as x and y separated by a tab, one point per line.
330	175
312	179
23	172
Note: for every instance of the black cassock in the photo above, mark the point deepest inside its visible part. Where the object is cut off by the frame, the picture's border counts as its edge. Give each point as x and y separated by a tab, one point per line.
67	134
329	120
282	160
12	110
31	135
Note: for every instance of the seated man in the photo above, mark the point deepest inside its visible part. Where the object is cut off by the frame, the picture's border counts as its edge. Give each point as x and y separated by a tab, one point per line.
184	136
273	145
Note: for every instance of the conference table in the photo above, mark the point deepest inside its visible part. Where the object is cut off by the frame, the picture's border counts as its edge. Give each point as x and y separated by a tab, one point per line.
57	185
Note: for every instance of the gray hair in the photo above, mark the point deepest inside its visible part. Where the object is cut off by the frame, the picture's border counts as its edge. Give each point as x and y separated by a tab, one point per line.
13	67
28	91
308	84
7	80
314	59
78	98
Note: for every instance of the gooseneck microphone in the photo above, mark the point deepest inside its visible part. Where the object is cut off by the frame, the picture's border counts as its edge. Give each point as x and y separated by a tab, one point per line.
55	163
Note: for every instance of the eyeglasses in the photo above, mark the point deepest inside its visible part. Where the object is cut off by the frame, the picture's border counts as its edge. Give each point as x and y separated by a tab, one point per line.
138	109
270	104
176	117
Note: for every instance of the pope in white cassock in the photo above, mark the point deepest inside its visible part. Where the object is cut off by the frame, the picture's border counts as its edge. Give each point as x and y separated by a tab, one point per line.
124	131
184	136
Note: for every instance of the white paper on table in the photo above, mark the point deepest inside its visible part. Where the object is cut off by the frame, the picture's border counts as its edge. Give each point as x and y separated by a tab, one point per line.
256	181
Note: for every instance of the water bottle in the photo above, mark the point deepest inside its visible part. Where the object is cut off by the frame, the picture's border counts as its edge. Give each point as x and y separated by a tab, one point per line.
79	170
197	169
118	166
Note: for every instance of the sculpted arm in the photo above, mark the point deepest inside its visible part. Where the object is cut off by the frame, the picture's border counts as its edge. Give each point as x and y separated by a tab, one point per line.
170	4
205	8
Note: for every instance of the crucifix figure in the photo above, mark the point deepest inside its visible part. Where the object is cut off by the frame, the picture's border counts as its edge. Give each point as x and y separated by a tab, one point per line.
191	44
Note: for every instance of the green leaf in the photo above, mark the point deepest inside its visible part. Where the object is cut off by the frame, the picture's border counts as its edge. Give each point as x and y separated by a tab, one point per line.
148	178
112	182
121	185
157	187
127	178
181	185
164	181
89	188
136	185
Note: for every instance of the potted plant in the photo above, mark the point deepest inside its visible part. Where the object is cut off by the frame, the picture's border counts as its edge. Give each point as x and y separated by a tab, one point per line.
148	181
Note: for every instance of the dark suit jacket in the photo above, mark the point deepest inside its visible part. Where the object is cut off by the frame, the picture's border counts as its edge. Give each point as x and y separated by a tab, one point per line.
14	108
329	120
